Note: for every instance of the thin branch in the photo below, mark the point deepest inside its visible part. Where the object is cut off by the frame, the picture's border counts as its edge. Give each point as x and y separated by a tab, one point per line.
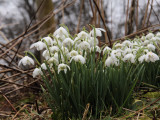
145	16
8	101
126	18
108	38
79	17
150	12
137	15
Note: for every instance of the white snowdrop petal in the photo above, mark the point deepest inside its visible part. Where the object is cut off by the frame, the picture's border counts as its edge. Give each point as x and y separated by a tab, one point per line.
36	72
106	49
84	45
44	67
38	45
26	61
98	32
78	58
63	67
68	42
149	36
109	62
48	40
151	47
61	33
73	53
82	35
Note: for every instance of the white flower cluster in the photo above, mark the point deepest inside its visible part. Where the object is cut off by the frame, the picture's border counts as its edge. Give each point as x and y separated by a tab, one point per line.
60	49
140	50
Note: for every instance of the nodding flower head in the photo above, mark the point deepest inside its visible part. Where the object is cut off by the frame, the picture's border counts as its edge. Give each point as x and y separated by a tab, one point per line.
46	54
127	43
83	35
84	45
73	53
38	45
118	45
149	36
96	48
48	40
106	50
151	57
98	32
93	42
53	60
109	61
43	66
68	42
54	49
129	57
61	33
151	47
37	72
158	34
26	61
63	67
78	58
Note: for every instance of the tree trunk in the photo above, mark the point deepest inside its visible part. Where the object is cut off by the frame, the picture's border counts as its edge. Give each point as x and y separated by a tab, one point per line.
48	27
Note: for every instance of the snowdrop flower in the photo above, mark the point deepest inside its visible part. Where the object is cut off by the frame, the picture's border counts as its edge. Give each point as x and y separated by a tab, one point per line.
146	42
106	49
145	51
97	48
118	45
63	67
142	58
116	53
127	50
127	43
134	51
61	33
154	39
46	54
73	53
43	66
26	61
157	39
93	42
84	45
111	61
129	57
58	43
149	36
82	35
48	40
158	34
151	47
38	45
37	72
143	38
135	43
151	57
53	60
98	32
78	58
54	49
56	56
65	50
68	42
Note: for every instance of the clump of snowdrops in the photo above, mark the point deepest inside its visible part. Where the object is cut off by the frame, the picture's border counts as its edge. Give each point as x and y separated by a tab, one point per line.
77	72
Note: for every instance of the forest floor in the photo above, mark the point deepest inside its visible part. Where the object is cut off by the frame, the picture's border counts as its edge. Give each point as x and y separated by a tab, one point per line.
31	105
